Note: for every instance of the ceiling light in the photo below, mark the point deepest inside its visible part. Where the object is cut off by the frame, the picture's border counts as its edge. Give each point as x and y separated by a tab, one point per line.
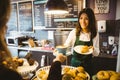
56	7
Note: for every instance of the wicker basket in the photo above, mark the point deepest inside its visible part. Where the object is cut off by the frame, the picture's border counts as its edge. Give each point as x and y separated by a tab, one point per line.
26	68
47	68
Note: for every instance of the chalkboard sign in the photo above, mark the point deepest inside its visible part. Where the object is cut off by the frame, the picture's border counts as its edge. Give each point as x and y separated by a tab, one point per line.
55	21
40	18
12	23
25	16
65	23
31	15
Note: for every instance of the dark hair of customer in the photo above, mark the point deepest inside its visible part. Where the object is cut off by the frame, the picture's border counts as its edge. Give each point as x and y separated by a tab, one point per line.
6	72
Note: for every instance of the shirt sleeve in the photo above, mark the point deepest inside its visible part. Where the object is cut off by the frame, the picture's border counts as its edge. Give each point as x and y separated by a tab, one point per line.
9	74
96	45
55	71
71	39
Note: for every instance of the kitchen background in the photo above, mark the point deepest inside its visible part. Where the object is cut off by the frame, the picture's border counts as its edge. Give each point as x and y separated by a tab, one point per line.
28	18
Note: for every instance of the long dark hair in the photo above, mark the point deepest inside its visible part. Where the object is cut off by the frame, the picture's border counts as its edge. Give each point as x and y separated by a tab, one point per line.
92	22
5	10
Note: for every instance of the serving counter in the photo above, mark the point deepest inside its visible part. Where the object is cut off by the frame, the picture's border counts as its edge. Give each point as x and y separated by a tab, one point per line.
37	53
101	62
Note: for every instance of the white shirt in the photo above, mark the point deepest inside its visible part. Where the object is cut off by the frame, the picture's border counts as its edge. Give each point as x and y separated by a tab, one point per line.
84	37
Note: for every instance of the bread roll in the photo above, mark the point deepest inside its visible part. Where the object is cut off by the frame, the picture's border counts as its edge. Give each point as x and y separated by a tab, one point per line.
103	75
84	49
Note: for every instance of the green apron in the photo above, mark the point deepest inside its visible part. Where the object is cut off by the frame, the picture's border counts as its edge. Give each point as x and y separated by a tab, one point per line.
82	60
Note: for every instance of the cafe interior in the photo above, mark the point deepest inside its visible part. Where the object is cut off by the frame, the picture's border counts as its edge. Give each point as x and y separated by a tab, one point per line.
36	28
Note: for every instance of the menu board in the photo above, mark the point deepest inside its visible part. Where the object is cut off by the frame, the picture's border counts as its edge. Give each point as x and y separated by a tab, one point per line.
67	20
12	23
65	23
25	16
40	18
31	13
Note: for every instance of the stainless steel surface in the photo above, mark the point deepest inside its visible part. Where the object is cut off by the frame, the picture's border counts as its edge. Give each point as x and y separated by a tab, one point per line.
60	37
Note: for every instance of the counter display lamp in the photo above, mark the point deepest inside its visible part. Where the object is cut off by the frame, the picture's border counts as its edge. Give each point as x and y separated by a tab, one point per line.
56	7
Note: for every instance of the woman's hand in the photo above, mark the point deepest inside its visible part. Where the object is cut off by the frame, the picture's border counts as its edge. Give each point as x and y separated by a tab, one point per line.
55	52
91	47
60	57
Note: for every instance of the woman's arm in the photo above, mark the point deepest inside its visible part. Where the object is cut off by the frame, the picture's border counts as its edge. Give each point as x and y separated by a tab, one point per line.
71	39
96	45
9	74
55	70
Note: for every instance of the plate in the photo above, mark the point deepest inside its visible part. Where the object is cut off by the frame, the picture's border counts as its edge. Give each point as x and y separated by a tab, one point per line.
77	49
47	68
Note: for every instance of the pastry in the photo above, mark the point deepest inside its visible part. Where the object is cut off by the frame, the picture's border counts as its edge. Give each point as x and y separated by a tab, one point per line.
84	49
20	62
103	75
31	61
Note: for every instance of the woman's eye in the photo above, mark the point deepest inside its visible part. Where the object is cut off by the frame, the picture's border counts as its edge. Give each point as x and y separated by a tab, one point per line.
86	18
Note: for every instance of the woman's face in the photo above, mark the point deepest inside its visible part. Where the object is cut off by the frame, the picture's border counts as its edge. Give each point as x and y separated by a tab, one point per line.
84	21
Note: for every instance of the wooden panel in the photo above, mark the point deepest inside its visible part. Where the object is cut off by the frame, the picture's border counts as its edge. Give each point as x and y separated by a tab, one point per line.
100	63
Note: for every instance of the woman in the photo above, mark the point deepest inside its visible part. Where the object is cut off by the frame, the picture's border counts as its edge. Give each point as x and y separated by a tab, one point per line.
7	67
84	34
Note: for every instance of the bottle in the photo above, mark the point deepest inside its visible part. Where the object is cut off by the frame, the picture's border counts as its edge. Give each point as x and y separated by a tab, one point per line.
42	61
114	50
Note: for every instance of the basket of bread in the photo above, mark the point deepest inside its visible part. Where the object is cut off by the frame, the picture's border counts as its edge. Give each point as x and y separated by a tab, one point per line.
25	65
68	73
106	75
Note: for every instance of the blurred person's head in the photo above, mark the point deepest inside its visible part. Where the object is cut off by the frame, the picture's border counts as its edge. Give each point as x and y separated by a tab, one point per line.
5	10
4	15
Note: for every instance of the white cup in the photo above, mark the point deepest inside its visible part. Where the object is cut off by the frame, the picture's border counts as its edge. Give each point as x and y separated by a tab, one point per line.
61	49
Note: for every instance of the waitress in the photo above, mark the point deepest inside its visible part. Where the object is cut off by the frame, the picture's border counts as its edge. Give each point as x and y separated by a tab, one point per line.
84	34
